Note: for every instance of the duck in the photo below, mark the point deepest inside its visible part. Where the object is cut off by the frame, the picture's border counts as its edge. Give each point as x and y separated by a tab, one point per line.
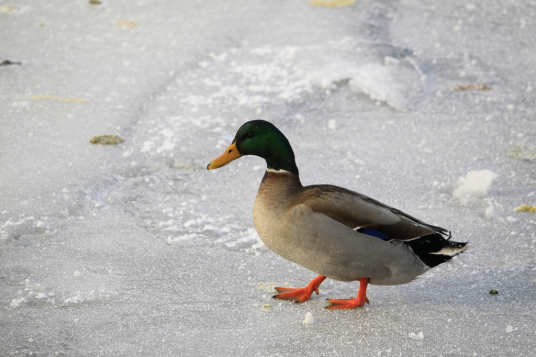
333	231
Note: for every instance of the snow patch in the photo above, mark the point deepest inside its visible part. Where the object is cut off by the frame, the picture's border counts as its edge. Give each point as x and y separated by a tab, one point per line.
309	318
88	297
473	186
16	302
332	124
33	294
416	336
394	84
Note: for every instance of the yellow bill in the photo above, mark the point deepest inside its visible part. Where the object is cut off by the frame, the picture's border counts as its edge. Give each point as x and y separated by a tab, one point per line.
230	154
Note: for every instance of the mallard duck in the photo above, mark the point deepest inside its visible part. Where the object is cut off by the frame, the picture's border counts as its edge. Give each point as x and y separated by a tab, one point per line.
337	233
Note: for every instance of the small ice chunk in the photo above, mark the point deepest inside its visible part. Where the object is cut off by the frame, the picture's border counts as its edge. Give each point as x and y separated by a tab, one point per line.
488	213
509	329
390	61
16	302
470	7
416	336
77	274
387	84
332	124
309	318
474	185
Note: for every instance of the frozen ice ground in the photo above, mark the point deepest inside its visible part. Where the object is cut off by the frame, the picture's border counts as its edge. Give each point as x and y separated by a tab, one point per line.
136	249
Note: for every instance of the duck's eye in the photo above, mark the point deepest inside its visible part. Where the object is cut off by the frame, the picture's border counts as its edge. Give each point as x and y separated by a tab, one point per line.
250	135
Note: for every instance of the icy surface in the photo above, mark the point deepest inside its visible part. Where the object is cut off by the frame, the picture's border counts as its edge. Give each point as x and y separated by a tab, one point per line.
138	250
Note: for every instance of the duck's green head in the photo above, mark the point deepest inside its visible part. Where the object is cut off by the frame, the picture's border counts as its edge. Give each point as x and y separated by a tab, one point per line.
263	139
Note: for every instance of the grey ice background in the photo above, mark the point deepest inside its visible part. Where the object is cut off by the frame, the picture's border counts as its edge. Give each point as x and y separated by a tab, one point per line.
137	250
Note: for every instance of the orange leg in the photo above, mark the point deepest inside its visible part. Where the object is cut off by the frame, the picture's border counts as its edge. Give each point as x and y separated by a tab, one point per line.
352	303
300	294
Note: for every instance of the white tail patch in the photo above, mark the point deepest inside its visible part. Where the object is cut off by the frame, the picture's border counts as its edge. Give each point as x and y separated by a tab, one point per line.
450	251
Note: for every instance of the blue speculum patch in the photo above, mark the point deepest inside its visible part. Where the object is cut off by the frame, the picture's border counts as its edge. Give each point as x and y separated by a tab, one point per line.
374	233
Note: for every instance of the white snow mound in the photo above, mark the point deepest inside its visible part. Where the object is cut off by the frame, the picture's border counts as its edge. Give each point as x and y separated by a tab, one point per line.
474	185
396	85
309	318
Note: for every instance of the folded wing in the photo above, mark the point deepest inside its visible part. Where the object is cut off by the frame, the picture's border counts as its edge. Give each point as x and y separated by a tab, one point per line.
364	213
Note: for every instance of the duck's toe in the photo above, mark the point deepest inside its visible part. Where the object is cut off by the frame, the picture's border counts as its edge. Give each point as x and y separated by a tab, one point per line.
299	294
294	294
351	303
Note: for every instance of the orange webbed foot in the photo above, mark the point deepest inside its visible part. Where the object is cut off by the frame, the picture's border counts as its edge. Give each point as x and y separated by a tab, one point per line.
294	294
299	294
352	303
